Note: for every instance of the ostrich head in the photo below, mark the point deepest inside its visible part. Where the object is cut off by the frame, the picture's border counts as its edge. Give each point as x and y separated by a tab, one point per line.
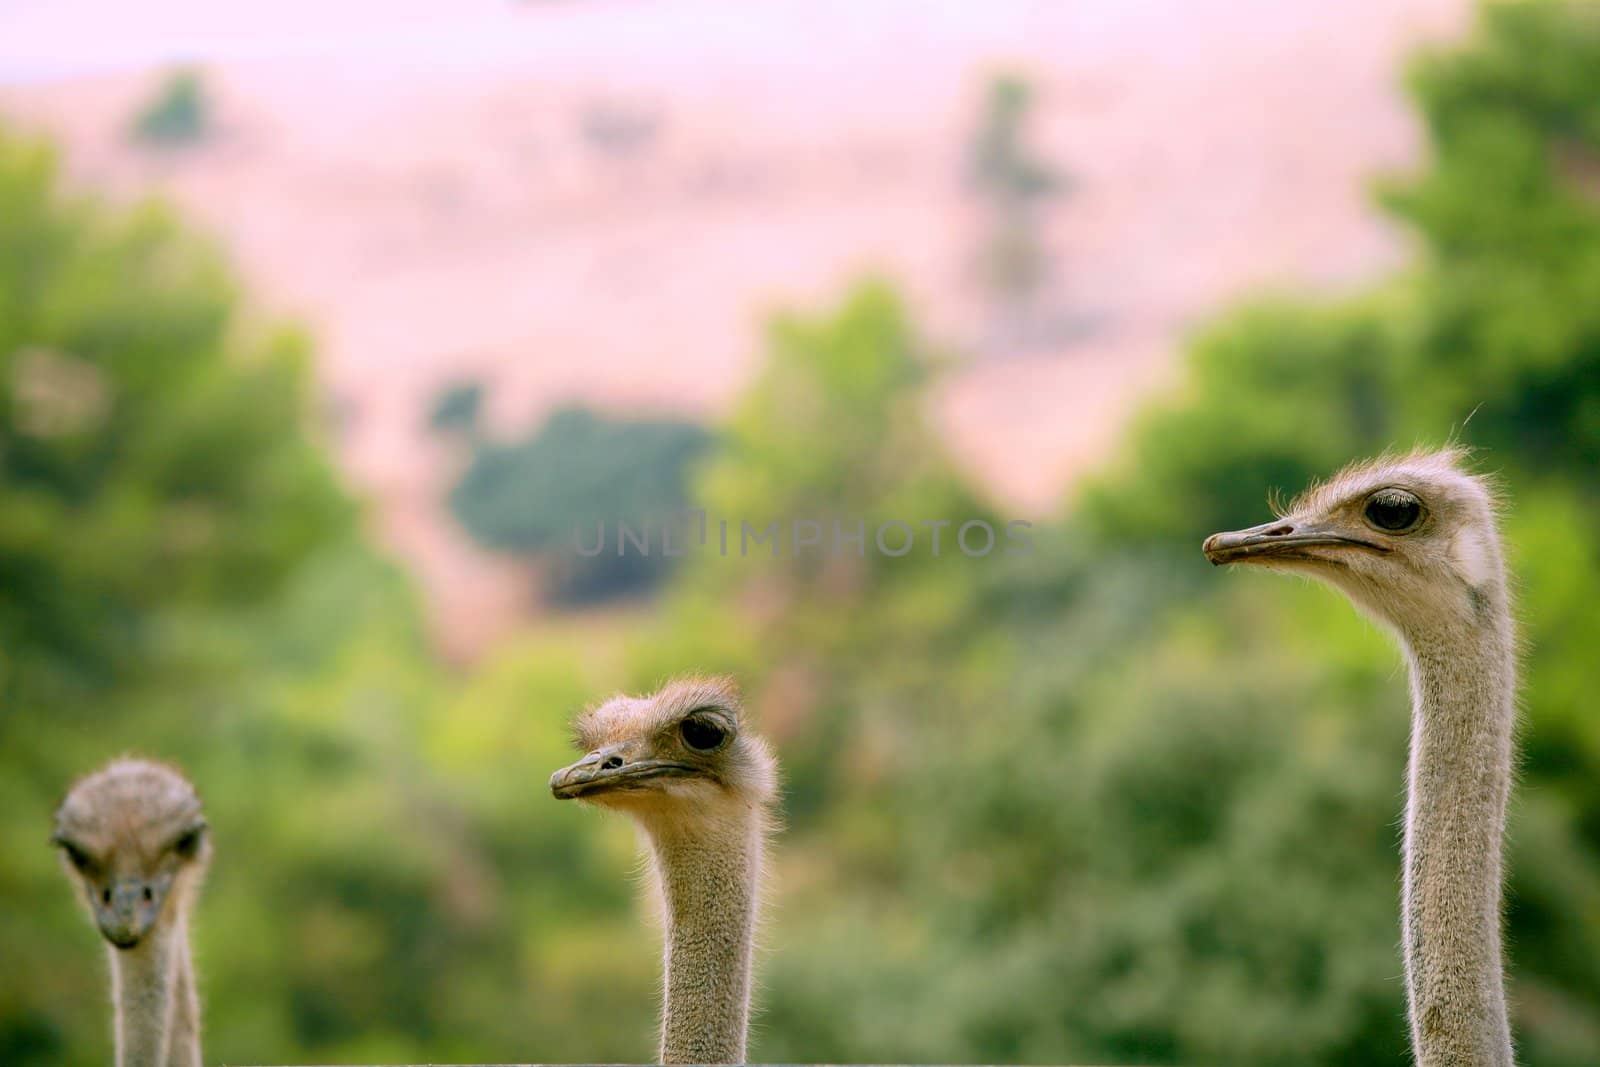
1410	540
133	837
679	754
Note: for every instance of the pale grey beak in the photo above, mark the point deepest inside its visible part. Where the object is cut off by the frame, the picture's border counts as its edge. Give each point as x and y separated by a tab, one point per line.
1279	539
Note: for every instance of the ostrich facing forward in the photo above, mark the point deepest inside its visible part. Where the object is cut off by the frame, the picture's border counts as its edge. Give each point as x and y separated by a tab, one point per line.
133	839
1412	541
701	788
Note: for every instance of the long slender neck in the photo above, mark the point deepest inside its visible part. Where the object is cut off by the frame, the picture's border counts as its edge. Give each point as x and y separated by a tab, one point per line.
1462	681
145	987
183	1048
710	884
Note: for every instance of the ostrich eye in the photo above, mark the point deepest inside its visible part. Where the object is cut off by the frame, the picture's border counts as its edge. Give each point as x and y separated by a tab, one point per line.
76	857
1394	510
702	735
189	844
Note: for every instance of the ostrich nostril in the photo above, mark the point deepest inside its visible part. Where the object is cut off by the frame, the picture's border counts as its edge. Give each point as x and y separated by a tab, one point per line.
611	763
105	896
147	894
1279	530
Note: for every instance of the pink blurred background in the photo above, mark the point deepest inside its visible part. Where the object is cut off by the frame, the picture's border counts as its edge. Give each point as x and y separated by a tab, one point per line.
603	201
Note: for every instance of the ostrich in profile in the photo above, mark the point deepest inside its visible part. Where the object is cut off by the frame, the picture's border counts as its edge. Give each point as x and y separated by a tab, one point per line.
701	787
1412	541
133	839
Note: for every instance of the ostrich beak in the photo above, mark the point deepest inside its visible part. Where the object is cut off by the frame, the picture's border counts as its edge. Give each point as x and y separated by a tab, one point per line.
128	910
1279	539
611	768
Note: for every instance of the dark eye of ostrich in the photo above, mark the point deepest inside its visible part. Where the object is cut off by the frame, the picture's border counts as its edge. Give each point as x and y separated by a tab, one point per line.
702	735
1393	510
76	856
189	844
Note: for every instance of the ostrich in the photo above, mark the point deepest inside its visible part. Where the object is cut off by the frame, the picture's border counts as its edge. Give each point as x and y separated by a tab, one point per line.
701	788
1412	541
132	836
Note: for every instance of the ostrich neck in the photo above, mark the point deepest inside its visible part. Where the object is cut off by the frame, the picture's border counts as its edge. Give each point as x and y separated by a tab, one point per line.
1459	778
710	880
156	1007
183	1049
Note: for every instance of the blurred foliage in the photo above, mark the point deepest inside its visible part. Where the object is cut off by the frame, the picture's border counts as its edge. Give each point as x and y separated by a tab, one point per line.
576	480
179	114
143	458
1099	803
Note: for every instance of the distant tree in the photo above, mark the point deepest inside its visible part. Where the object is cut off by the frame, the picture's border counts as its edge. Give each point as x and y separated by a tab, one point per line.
457	408
1013	185
179	114
580	469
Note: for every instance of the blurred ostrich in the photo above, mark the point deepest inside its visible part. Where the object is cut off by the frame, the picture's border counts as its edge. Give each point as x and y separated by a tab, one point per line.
132	837
701	787
1412	541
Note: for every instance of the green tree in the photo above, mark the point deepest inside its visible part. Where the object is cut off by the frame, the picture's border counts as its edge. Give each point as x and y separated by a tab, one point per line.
578	472
179	114
1509	213
458	409
154	453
